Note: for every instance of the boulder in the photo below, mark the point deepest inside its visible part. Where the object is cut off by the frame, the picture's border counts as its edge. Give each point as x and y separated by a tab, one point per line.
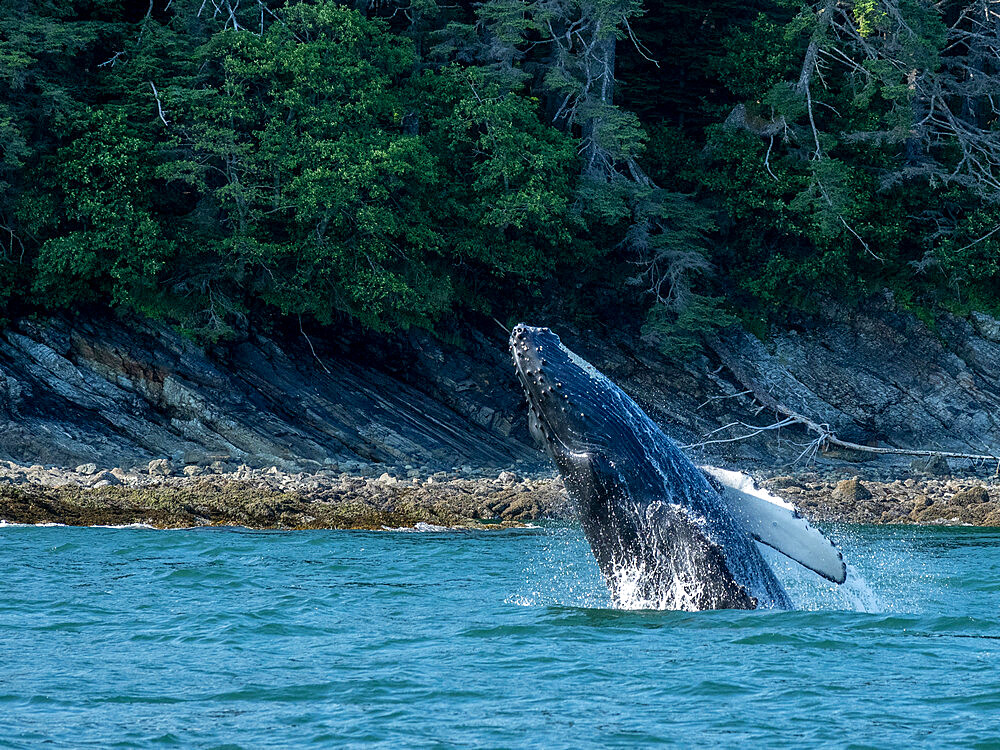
159	467
507	477
104	479
86	469
851	490
972	496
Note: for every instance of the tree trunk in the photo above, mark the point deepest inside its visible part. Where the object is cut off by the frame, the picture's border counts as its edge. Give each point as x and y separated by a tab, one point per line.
600	68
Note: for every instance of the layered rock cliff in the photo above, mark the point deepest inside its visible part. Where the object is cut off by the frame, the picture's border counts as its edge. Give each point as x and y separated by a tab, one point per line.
122	393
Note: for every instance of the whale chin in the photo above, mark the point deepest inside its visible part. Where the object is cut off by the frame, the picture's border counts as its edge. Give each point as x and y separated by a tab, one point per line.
664	533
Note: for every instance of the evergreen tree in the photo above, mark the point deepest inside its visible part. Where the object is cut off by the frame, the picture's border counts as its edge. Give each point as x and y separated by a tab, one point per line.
393	161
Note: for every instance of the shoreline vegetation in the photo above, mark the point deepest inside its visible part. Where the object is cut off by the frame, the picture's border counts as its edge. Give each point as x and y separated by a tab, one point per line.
229	173
466	498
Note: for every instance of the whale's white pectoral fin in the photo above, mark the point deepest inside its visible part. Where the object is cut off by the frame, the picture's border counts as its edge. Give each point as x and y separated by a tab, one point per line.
775	522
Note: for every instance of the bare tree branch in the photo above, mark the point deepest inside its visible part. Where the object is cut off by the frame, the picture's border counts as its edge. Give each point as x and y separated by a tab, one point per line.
159	104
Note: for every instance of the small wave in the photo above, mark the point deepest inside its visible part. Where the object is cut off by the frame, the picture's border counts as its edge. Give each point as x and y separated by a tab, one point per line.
520	601
12	525
126	526
421	526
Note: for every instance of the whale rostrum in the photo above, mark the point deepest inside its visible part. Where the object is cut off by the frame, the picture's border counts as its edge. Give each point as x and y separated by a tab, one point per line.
665	533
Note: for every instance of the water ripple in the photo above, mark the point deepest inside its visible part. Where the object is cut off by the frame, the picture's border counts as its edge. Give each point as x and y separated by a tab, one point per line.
221	638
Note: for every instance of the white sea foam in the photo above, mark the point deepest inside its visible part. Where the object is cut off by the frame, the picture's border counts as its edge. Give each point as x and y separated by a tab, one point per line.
631	581
519	600
420	526
127	526
7	524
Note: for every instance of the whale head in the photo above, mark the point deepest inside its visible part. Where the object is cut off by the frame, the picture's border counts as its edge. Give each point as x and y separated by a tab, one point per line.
572	408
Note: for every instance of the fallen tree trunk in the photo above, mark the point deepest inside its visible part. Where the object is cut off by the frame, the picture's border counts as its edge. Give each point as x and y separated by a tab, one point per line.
825	435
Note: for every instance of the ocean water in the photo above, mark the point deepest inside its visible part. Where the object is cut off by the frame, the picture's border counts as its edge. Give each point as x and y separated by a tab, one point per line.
226	638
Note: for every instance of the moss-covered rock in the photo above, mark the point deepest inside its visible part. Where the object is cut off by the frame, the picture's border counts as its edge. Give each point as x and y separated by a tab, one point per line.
851	490
972	496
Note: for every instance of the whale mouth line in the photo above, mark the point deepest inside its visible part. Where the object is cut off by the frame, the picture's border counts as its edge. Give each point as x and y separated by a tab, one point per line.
536	409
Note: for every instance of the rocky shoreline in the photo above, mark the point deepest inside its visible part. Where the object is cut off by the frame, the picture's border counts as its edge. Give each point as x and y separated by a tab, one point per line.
157	495
273	499
917	500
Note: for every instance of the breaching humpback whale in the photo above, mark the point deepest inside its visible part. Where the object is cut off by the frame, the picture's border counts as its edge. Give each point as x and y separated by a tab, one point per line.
665	533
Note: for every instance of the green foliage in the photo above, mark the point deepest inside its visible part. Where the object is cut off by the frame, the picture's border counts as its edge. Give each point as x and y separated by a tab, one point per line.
870	17
111	246
520	181
317	195
312	165
758	57
390	167
682	335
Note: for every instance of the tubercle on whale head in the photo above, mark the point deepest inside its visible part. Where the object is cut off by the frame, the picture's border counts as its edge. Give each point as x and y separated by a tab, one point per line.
564	400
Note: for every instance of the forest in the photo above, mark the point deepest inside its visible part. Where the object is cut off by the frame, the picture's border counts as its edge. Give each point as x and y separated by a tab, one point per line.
686	166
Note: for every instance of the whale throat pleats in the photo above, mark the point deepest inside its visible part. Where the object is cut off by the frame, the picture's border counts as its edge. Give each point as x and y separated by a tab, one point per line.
774	522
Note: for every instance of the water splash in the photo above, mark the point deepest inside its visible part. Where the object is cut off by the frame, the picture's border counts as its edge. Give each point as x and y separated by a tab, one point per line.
631	587
560	571
861	595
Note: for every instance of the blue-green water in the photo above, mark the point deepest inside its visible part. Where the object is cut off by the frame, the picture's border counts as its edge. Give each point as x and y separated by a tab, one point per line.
233	638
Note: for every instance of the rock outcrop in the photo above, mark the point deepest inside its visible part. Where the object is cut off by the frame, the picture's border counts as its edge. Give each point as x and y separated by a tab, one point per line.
76	392
272	498
879	376
102	393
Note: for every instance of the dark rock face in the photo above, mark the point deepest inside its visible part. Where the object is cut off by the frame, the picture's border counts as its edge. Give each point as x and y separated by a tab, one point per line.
75	392
932	466
880	376
100	392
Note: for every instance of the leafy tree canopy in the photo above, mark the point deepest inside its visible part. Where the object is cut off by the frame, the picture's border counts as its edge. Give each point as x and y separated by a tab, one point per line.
394	161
